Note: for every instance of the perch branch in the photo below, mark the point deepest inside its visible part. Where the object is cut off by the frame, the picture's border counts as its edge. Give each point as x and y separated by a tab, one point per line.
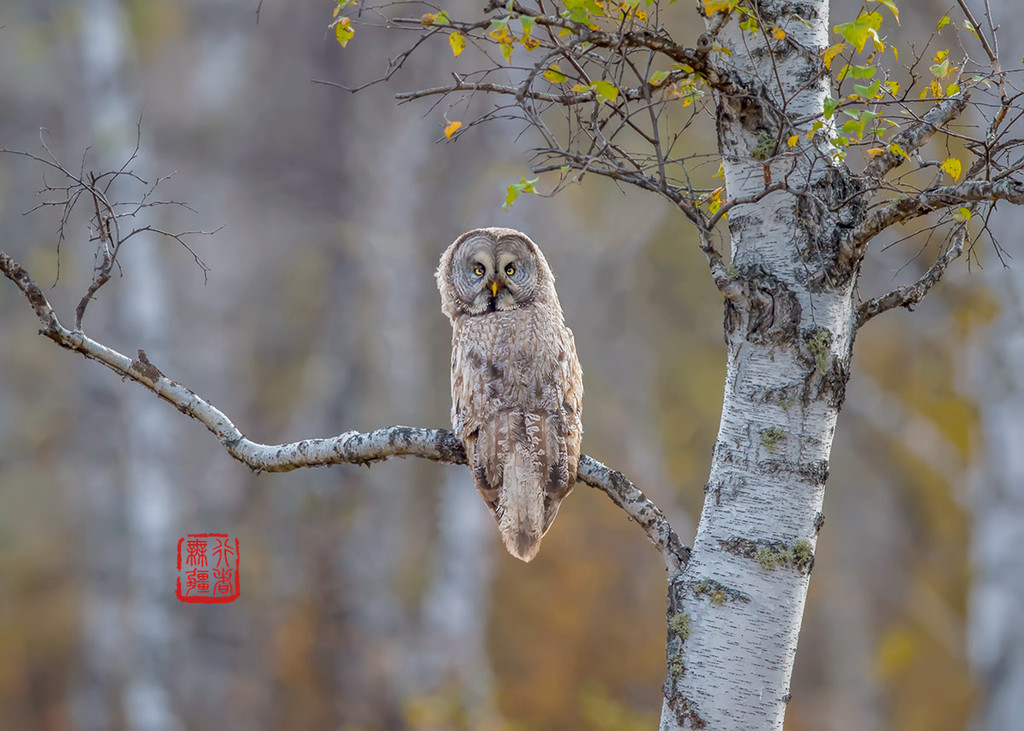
440	445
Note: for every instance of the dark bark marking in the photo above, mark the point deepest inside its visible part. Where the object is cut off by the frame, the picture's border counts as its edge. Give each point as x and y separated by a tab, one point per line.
767	314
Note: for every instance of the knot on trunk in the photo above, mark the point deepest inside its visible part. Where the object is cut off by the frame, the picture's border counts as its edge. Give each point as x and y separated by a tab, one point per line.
767	312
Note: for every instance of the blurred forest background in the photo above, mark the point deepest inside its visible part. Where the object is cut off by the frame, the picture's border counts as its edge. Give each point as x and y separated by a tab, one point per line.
380	598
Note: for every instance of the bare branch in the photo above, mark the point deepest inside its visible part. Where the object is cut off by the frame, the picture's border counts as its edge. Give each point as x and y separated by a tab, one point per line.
440	445
910	294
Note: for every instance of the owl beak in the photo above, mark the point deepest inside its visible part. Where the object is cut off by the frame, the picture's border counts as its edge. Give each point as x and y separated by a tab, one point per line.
494	289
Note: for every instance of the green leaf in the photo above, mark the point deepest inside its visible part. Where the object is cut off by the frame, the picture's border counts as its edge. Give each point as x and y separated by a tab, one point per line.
830	107
940	69
853	127
343	31
658	78
605	90
943	23
862	28
867	92
863	72
527	22
970	26
513	191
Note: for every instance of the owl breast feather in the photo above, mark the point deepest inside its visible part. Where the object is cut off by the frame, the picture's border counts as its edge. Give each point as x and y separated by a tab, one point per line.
516	392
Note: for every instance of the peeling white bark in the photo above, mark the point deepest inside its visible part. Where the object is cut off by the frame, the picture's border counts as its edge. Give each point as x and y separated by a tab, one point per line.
735	610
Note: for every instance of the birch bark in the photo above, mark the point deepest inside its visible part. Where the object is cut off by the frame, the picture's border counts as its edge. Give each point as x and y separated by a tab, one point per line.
736	608
996	600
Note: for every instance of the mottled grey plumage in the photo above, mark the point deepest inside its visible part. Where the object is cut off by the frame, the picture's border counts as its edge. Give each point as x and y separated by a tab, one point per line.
517	387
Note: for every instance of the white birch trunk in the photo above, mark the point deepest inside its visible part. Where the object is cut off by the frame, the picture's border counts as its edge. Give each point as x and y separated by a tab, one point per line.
147	700
735	610
996	602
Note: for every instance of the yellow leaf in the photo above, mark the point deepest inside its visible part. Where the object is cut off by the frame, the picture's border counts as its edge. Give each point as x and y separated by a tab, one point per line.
897	150
428	18
875	151
778	34
716	6
831	52
451	128
892	7
793	140
952	167
343	31
554	74
458	43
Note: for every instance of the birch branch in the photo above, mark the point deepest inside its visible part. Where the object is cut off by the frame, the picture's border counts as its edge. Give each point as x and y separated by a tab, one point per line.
908	295
352	447
928	201
916	135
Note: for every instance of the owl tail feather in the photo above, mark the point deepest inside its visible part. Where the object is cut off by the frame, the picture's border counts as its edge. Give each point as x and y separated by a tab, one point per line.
521	506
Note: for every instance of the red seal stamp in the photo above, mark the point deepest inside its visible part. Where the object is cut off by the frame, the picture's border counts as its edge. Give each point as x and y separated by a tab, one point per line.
208	568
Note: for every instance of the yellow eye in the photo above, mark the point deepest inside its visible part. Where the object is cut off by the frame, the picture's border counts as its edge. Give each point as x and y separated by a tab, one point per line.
478	270
510	270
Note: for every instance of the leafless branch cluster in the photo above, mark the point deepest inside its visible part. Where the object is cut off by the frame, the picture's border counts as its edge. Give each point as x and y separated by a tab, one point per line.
112	221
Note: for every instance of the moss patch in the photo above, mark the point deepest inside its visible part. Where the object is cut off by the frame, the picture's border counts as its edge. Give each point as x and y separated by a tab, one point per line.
680	624
772	437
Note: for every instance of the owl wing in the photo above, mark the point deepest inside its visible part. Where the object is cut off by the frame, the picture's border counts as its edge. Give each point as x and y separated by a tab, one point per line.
518	414
565	429
476	389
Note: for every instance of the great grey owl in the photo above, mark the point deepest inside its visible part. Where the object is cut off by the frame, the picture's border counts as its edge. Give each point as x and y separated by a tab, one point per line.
517	387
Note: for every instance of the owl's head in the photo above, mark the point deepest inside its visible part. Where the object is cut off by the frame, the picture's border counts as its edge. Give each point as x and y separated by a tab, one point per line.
492	269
